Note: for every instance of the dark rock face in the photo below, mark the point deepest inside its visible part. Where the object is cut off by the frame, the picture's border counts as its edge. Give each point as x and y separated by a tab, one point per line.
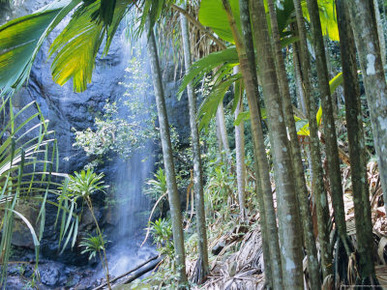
53	275
65	110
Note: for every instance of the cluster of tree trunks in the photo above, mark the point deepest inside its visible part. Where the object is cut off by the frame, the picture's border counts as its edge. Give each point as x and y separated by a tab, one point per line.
262	65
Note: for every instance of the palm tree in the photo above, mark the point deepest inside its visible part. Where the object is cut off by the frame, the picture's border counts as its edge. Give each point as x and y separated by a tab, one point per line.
173	194
240	148
356	145
328	123
297	165
368	48
202	264
287	208
317	182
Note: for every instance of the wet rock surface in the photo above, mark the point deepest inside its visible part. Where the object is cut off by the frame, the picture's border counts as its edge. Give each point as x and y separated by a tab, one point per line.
53	275
66	110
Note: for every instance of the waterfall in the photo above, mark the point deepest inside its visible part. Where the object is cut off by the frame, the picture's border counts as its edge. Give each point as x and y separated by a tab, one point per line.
133	205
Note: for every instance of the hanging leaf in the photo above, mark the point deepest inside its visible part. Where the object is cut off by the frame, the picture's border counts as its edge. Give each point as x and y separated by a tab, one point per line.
21	39
213	15
328	18
335	82
242	117
205	65
285	16
210	105
319	116
77	47
245	116
302	125
107	11
78	44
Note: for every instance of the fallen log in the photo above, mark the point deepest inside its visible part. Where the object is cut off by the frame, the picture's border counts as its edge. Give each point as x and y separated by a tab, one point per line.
143	271
130	271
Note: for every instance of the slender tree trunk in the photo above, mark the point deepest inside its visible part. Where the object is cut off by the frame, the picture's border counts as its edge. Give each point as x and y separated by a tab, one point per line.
328	124
202	265
221	122
297	165
298	80
379	25
319	192
301	98
219	140
240	151
173	194
356	143
268	221
288	217
367	44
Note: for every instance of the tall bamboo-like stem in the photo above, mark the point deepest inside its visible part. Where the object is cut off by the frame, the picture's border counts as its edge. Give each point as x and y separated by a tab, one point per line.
287	206
356	143
268	221
297	165
173	194
202	264
240	150
319	192
381	37
298	80
367	44
328	123
221	123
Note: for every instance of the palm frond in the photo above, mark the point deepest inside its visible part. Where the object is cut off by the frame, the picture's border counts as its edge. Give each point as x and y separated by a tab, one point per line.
21	39
78	44
213	15
152	11
210	105
203	66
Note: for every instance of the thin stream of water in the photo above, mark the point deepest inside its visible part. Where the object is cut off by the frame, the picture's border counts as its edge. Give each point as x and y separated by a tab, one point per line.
134	206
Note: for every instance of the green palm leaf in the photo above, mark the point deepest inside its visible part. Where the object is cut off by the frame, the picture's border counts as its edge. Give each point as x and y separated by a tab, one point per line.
213	15
328	18
153	11
78	44
203	66
21	39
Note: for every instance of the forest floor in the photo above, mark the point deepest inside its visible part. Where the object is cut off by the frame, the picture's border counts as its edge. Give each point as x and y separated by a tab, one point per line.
237	262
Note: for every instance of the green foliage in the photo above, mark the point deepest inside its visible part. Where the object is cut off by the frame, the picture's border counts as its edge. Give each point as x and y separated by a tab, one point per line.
85	183
220	187
78	186
161	231
27	172
93	245
328	18
126	124
21	39
206	64
157	186
209	106
76	47
218	21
